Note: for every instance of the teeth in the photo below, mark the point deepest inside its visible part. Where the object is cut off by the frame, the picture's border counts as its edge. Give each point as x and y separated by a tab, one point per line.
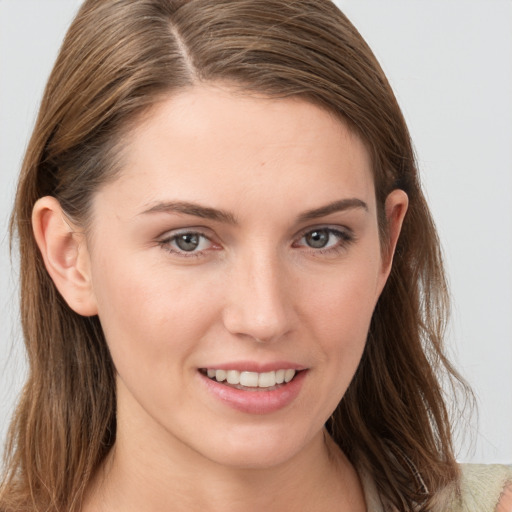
252	379
233	377
220	375
267	380
249	379
288	375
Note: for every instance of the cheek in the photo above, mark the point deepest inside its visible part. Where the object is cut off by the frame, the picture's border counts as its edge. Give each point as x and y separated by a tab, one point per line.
336	319
147	311
343	306
340	314
153	325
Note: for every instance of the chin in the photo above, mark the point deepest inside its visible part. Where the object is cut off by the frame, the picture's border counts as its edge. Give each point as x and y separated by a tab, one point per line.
258	448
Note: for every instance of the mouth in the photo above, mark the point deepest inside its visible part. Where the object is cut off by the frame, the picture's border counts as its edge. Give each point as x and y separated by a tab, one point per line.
254	392
251	381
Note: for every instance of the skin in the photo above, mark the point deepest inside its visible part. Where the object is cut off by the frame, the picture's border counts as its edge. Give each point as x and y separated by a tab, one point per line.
255	290
505	504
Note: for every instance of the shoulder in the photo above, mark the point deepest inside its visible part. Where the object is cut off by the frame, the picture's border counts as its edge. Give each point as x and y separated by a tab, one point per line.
485	488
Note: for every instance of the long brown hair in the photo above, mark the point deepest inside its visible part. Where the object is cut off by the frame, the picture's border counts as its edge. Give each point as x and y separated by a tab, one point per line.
118	59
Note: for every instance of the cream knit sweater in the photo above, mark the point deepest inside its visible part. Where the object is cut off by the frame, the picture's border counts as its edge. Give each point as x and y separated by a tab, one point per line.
482	486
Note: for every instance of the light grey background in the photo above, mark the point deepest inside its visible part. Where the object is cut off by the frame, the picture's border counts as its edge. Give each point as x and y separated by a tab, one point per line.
450	63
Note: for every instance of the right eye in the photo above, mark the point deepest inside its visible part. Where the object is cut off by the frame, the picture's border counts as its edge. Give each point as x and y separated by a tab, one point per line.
186	243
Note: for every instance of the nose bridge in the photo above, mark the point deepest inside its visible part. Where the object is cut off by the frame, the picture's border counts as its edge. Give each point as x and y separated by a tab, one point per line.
258	305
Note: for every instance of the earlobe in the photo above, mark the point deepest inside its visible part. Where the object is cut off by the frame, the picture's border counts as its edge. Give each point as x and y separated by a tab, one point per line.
396	208
65	255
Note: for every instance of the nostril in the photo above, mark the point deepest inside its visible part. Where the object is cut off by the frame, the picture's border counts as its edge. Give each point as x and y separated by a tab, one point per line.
257	304
260	328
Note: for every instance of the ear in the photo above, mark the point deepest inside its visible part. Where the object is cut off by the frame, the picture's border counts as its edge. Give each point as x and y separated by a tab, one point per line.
395	208
65	255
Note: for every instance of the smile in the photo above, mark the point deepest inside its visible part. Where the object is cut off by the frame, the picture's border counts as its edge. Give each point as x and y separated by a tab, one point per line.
245	379
254	392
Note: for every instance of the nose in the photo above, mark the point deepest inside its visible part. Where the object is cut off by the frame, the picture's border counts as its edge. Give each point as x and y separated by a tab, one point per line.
258	305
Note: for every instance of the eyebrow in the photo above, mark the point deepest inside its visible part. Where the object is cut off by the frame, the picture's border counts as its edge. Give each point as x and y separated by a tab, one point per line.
205	212
336	206
194	209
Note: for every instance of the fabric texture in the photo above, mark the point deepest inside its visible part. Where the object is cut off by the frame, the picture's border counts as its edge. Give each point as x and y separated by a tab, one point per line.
481	488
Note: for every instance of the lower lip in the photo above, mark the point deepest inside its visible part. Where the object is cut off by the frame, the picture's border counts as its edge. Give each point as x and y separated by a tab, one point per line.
256	402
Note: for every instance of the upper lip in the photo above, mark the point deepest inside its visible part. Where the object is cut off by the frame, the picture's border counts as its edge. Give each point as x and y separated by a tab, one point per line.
252	366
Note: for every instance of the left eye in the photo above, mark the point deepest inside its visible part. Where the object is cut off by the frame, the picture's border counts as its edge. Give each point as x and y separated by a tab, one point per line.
323	238
188	242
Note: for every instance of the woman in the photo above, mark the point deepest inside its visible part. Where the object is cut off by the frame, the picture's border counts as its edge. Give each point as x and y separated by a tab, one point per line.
232	291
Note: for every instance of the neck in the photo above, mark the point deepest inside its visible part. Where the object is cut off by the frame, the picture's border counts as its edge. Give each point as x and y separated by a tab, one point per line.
148	469
320	478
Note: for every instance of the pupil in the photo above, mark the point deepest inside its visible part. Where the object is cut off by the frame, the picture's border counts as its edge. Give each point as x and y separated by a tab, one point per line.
317	239
188	242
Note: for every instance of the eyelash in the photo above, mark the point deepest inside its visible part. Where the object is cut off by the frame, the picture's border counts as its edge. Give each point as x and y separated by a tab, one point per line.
345	238
167	241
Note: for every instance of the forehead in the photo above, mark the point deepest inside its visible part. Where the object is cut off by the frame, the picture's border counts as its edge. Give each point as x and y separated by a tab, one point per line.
211	143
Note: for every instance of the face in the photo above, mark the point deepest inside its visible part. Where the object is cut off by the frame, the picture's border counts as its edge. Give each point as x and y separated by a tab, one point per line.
238	247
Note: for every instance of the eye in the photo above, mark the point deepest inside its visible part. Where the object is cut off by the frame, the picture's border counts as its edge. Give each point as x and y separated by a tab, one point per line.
324	239
318	239
186	243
